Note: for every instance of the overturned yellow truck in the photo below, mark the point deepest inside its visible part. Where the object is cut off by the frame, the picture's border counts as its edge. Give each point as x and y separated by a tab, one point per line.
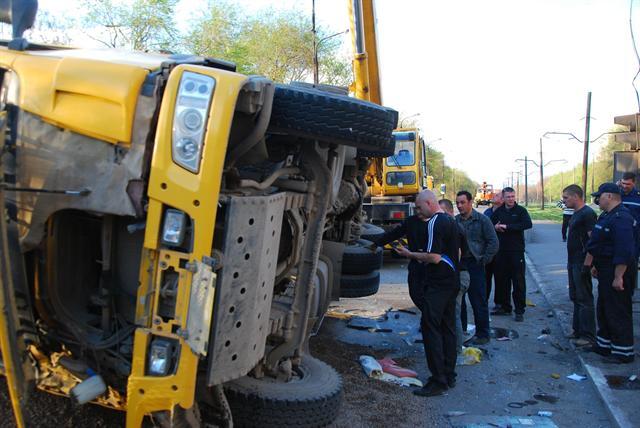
173	233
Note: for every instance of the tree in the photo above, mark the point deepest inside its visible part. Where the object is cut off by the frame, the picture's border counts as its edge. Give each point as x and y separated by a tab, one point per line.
277	44
142	25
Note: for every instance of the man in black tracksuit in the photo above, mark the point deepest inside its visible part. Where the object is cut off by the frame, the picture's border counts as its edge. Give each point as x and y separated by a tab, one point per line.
440	256
414	228
510	222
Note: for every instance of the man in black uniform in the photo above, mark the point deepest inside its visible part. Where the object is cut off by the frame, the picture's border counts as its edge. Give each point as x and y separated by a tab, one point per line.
440	255
612	250
510	222
580	226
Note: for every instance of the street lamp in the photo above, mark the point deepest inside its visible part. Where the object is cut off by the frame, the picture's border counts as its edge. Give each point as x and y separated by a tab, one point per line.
409	117
585	151
316	44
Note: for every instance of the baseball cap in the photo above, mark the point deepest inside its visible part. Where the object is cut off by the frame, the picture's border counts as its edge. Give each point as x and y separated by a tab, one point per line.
606	188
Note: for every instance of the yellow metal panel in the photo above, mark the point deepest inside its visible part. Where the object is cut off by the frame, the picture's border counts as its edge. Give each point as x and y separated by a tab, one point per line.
94	98
197	195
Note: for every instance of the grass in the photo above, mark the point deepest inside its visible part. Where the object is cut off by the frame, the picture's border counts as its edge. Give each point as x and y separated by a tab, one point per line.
552	213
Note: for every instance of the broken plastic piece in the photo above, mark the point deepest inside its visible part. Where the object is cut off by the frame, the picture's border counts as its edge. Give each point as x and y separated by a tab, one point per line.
545	413
543	336
390	366
632	378
470	356
576	377
89	389
555	375
453	413
370	366
530	303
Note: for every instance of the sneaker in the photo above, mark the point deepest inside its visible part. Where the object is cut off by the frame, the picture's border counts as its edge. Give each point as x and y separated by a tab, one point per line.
475	340
519	317
431	389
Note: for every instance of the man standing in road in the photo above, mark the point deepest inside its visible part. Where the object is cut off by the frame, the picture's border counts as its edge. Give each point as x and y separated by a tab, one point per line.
496	203
483	246
463	273
580	226
631	200
611	253
440	289
510	221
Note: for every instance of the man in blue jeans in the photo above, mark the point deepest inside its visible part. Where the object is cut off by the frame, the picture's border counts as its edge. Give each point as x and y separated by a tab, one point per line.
483	246
580	287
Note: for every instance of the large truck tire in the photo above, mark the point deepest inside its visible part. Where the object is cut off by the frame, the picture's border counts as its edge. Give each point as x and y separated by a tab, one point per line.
312	399
333	118
360	285
371	232
361	257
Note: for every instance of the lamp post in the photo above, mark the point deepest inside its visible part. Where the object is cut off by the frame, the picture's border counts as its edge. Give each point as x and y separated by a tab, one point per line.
316	43
585	153
409	117
526	179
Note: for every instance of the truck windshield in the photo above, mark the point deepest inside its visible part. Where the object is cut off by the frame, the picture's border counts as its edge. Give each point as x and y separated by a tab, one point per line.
404	154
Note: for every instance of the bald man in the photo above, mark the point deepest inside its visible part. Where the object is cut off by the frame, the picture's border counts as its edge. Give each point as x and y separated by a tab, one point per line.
440	288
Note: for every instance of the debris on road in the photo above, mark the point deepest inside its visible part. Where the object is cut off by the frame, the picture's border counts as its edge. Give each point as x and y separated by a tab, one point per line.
390	366
498	332
454	413
547	398
546	330
370	366
576	377
623	382
469	356
555	375
545	413
530	303
543	336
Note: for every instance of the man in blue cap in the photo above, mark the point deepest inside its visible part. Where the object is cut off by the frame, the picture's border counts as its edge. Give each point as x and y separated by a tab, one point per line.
611	254
631	200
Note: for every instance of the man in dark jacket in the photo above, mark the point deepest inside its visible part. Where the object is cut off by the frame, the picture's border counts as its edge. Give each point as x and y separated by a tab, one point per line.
510	221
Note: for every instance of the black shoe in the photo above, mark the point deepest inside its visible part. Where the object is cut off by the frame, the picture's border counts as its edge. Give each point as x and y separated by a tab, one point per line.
500	312
617	359
431	389
598	350
475	340
519	317
451	383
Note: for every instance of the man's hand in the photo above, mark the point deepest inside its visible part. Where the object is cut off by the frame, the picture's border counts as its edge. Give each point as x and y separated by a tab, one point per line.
402	251
618	284
594	272
500	227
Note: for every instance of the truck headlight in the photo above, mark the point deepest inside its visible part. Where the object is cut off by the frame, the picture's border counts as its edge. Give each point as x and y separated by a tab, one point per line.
173	229
190	118
160	357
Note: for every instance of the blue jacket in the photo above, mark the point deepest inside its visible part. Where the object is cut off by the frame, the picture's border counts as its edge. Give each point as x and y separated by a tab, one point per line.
613	238
632	202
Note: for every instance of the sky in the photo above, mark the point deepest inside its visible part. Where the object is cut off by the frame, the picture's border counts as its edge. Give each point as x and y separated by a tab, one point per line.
487	78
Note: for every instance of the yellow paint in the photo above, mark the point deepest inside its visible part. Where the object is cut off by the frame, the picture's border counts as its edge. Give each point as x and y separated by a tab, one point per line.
197	195
88	96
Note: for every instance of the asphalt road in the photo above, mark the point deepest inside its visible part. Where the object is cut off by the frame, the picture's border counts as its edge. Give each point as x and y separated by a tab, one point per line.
511	371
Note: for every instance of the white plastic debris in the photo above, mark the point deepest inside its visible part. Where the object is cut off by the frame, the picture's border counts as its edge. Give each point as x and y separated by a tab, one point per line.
576	377
402	381
370	366
632	378
545	413
89	389
543	336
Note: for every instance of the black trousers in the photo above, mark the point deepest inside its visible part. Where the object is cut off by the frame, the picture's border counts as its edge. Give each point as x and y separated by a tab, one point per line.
614	312
489	276
509	270
416	280
439	329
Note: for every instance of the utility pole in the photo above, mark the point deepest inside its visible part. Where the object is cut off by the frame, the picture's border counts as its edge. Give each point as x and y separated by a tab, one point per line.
526	178
541	176
315	43
585	153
